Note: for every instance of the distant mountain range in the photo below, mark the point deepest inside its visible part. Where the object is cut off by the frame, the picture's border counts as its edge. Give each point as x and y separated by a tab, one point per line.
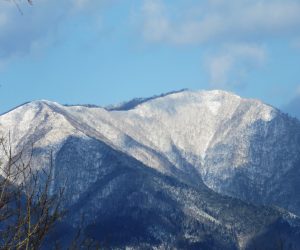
183	170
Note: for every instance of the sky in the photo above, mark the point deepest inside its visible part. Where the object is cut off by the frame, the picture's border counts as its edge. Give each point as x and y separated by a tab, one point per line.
107	51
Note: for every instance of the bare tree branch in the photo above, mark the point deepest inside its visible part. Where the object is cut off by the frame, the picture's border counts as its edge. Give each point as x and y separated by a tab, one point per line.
27	209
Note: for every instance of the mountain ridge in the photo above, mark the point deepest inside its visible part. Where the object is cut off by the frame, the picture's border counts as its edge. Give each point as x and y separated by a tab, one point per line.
207	140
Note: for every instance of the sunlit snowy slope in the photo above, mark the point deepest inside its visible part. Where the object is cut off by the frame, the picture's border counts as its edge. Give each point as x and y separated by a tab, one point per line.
238	147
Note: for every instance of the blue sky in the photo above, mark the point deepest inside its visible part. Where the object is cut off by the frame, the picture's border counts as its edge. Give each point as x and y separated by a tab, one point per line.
107	51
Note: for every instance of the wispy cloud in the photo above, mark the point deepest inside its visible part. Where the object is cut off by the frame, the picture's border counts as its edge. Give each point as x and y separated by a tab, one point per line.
228	67
156	24
39	25
216	19
234	28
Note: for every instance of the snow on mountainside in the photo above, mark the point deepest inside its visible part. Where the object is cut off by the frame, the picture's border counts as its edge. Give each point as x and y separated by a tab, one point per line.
145	164
129	204
36	123
241	147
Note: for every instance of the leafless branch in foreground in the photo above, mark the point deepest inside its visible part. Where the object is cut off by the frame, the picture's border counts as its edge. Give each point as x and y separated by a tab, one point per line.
27	209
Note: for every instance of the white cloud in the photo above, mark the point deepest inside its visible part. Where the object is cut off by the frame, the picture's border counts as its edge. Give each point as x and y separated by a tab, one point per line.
219	68
39	25
156	24
228	67
216	19
233	29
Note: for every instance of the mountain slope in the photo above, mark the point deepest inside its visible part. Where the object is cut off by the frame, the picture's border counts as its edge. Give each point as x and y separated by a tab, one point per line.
240	147
129	204
155	158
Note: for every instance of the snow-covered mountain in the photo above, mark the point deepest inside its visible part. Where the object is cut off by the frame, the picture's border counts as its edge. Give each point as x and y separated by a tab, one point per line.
238	147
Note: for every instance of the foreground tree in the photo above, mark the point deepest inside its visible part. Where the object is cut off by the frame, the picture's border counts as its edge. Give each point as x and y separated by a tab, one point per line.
27	209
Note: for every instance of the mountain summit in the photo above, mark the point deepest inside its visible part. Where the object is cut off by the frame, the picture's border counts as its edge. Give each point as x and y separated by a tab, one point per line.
206	142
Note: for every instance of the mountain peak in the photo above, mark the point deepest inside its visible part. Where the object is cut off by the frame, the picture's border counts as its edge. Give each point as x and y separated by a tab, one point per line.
216	93
238	147
31	104
131	104
183	93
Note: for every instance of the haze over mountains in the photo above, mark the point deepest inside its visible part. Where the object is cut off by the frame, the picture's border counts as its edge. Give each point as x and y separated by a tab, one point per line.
188	169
